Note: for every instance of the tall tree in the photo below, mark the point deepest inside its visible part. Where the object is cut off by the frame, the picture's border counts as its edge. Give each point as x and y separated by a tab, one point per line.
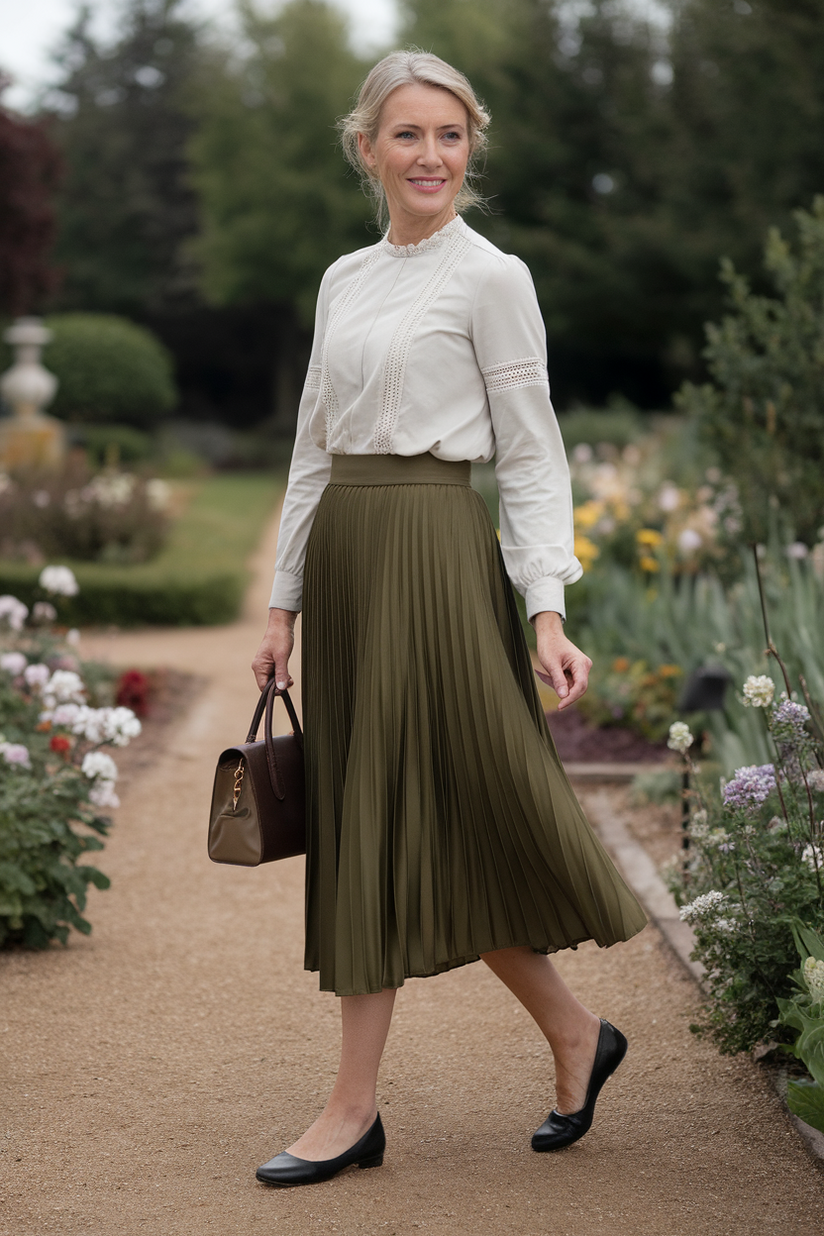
30	171
748	113
122	122
277	202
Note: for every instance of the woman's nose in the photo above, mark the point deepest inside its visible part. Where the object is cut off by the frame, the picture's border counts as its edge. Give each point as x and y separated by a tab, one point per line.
430	155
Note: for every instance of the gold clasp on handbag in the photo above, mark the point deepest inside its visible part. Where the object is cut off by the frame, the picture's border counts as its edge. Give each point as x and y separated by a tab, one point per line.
238	785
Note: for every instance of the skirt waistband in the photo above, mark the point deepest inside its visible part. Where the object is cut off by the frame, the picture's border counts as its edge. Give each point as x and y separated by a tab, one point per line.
399	470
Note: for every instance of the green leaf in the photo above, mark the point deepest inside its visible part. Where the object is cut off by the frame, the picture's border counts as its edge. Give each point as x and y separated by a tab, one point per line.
808	942
805	1099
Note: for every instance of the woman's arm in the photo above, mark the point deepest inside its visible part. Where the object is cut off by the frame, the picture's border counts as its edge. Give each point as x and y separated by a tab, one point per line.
308	475
530	460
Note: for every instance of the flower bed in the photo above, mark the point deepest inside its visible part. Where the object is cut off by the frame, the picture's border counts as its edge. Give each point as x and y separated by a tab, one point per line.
755	868
56	778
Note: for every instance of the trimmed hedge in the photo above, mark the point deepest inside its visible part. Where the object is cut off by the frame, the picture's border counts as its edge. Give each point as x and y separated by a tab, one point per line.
124	596
110	369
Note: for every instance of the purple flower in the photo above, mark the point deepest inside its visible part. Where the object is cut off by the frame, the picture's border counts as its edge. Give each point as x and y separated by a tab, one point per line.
750	787
789	721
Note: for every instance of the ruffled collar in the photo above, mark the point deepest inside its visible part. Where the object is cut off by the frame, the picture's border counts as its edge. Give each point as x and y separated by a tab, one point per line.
434	241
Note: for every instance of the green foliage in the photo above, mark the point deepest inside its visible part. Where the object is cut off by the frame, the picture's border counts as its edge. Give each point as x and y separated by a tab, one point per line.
764	414
200	576
48	823
109	369
756	867
126	207
804	1012
278	206
43	880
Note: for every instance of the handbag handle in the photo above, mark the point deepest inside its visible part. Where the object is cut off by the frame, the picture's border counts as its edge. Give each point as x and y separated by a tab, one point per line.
266	704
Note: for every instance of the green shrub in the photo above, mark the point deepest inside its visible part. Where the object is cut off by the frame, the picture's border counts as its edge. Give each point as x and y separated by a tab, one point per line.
55	781
756	867
109	369
763	413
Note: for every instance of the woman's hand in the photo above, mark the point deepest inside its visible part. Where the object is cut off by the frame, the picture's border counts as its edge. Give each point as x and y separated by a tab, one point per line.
567	668
275	650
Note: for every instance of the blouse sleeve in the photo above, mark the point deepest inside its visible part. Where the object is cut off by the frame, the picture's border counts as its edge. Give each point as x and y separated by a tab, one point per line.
530	462
309	474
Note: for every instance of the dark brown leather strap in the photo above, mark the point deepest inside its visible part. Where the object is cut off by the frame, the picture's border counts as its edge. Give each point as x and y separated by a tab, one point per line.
266	704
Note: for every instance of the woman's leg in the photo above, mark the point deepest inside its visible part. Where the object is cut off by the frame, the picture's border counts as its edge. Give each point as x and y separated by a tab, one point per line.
351	1108
569	1028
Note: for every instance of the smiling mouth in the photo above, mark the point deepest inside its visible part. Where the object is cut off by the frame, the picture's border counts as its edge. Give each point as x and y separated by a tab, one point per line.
420	183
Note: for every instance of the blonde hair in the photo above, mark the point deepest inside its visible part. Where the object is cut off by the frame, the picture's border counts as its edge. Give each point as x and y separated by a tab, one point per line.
408	68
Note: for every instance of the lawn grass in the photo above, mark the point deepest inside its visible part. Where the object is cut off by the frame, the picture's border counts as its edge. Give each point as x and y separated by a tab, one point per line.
198	578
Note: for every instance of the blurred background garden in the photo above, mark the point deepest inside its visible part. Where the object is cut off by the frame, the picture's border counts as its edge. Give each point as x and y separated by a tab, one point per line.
171	195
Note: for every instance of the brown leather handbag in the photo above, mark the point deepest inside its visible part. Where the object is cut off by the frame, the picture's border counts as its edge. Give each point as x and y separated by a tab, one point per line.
258	802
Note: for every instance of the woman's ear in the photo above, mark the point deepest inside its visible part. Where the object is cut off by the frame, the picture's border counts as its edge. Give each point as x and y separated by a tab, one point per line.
365	150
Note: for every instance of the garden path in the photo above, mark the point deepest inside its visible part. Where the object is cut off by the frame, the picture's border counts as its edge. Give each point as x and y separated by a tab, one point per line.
150	1067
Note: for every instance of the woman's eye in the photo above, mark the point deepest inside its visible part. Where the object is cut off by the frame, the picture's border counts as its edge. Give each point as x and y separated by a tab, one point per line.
452	137
405	133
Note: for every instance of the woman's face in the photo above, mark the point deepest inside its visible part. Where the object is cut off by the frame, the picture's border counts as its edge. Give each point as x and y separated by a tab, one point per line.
420	152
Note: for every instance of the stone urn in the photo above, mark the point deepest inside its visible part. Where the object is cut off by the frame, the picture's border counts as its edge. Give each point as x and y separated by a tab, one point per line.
28	438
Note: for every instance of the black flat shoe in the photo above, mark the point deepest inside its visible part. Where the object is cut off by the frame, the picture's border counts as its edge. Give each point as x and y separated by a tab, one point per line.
558	1130
286	1170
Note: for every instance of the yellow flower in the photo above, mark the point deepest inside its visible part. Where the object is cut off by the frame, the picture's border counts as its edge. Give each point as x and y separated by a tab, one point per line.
588	514
585	550
650	564
649	536
669	671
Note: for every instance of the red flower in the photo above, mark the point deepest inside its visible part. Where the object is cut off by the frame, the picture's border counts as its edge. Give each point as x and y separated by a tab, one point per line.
60	743
133	689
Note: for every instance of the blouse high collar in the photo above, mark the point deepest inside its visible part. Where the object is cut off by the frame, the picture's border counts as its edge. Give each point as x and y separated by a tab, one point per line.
453	228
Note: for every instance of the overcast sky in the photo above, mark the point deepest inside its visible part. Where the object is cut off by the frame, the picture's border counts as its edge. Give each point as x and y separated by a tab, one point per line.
29	29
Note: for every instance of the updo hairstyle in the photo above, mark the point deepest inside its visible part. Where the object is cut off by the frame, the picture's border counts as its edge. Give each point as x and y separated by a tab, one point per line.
408	68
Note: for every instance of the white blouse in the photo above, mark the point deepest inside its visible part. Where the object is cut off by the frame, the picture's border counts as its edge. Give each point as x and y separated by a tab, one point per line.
436	347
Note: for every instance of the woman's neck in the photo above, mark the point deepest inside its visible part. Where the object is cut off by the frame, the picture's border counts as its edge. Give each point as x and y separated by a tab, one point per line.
412	229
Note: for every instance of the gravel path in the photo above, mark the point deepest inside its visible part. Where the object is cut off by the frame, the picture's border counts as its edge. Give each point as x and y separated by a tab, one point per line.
150	1068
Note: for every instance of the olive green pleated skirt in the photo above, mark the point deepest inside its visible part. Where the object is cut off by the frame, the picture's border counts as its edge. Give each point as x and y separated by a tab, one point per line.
441	824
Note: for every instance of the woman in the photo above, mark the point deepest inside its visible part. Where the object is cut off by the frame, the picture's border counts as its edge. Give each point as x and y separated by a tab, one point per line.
441	826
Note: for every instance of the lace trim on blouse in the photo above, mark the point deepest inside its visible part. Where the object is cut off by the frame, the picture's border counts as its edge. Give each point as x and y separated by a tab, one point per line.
404	336
514	375
424	246
313	376
327	391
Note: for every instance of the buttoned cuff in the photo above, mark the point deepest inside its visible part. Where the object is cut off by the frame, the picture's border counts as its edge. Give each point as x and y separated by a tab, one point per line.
546	593
287	592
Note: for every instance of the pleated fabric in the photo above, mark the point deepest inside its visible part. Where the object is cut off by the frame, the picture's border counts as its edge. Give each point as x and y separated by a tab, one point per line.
441	824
